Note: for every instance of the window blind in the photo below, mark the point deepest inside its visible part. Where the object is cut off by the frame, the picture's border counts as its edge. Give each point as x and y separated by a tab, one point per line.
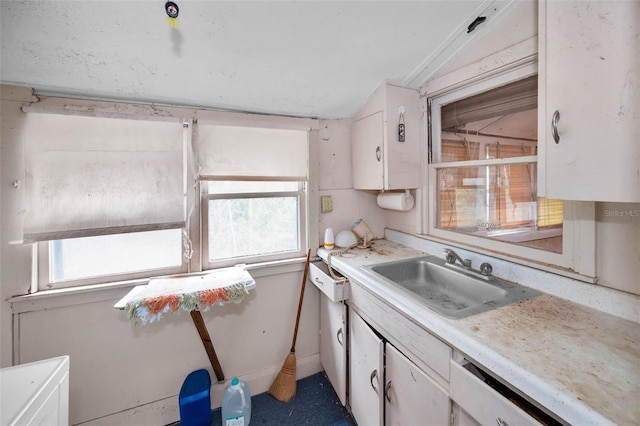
88	176
244	153
519	96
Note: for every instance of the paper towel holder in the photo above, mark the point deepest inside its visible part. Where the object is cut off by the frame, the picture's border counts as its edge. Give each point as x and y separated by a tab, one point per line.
399	201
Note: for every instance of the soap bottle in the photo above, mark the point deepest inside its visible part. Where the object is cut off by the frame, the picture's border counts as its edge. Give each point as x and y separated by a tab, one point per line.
236	404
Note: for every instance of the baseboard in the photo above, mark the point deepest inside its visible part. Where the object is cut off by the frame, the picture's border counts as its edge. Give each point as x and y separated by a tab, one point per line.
166	411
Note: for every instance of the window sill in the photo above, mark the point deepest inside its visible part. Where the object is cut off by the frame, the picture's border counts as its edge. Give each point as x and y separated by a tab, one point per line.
50	299
510	257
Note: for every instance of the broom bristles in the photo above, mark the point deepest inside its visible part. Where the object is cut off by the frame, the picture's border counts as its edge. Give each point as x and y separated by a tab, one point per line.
284	386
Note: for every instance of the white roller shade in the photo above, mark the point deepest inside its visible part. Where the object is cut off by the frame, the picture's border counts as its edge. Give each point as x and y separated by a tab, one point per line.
94	175
230	152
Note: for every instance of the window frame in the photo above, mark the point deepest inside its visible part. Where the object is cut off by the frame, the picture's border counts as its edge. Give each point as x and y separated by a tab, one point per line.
205	197
576	232
43	265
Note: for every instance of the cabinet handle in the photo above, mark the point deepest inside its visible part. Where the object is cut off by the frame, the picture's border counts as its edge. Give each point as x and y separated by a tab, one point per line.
319	281
386	391
554	126
374	374
338	334
378	153
501	422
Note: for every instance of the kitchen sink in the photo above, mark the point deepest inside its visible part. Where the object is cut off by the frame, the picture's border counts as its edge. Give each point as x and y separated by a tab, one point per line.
448	289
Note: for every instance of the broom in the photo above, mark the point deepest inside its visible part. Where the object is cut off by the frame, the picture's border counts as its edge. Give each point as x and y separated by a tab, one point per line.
284	386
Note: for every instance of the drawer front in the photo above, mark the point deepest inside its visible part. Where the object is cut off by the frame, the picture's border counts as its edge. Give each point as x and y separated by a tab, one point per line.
483	403
424	349
319	275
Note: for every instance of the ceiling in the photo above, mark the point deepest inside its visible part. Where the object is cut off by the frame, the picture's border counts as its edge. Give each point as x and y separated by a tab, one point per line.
305	58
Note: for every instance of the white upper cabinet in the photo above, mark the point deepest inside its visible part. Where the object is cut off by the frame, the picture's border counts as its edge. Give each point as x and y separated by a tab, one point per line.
381	159
588	114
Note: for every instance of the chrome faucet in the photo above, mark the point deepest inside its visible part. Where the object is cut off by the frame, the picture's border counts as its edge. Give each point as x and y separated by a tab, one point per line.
465	265
452	256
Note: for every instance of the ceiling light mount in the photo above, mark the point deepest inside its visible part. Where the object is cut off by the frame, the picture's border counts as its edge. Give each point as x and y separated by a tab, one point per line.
172	10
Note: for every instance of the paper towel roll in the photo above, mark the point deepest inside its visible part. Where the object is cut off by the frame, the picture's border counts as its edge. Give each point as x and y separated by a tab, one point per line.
401	201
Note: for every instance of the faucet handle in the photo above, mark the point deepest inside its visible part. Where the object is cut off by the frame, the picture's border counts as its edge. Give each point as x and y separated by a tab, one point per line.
486	269
451	258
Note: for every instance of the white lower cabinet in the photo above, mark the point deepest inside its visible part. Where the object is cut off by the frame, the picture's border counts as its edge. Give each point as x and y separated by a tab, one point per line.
411	396
385	387
399	373
481	399
333	348
366	373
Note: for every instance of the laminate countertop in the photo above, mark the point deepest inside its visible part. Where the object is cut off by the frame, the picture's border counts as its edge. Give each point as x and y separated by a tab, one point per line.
578	362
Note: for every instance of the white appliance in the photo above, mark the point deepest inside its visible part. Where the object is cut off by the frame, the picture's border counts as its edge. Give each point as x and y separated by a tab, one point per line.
36	393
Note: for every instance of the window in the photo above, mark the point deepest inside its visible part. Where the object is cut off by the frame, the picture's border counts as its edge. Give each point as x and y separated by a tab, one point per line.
248	221
105	258
104	196
253	186
483	170
112	194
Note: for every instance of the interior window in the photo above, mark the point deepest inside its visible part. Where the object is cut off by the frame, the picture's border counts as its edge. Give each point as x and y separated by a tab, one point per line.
484	167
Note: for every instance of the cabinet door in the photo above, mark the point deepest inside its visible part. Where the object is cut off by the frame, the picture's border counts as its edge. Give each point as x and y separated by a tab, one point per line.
402	166
332	345
367	152
411	396
589	72
366	357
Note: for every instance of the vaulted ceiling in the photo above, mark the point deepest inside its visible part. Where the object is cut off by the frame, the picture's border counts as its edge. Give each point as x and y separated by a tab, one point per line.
304	58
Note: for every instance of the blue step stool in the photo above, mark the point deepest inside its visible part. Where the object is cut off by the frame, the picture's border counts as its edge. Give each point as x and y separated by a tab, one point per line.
195	399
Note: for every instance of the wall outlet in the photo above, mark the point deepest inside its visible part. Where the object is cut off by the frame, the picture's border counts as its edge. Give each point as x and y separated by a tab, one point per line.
326	203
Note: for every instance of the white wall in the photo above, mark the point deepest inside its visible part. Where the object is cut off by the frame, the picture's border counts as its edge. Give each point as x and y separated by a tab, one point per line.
334	179
618	246
116	366
518	24
122	374
15	263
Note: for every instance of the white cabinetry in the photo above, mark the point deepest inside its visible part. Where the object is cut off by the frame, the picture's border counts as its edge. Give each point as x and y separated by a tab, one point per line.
385	384
589	76
399	372
411	395
380	160
333	314
366	373
481	404
333	348
36	393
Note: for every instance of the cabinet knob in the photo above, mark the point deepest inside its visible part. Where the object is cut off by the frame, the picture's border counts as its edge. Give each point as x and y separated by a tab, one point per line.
554	126
378	153
374	374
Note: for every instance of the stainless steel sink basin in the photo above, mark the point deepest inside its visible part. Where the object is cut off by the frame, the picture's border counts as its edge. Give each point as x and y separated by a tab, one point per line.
448	289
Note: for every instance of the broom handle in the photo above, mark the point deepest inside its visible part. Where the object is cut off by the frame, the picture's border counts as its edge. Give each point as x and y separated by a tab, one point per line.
304	281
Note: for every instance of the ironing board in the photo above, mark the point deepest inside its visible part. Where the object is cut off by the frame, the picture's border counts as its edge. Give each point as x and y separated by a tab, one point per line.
188	292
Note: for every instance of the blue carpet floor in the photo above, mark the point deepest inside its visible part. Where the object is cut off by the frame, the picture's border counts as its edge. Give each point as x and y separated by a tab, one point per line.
315	403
